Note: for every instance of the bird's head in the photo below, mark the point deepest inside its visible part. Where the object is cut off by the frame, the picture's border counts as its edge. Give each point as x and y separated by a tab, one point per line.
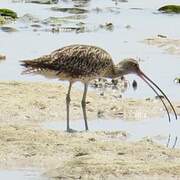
128	66
131	66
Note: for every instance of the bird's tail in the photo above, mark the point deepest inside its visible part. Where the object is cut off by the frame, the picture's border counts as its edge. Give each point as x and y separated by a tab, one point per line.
34	65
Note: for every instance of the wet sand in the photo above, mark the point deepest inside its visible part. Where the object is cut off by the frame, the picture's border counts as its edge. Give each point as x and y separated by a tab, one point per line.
100	155
170	46
32	103
82	155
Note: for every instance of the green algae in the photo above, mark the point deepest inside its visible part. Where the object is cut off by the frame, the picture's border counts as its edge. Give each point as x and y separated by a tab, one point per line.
170	9
8	12
2	20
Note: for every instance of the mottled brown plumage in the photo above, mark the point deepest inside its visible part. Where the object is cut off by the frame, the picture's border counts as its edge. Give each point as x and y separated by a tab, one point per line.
75	62
84	63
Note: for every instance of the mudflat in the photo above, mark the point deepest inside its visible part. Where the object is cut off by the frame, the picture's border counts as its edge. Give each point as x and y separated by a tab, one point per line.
81	155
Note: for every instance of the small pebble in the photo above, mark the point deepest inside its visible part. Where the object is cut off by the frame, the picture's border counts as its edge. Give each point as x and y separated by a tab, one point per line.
102	94
127	26
120	153
92	139
36	25
161	36
100	114
157	97
114	108
134	85
108	26
114	81
81	154
2	57
55	30
177	80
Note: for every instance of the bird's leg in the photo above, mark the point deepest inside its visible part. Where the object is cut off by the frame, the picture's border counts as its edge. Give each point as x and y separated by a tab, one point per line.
83	103
68	99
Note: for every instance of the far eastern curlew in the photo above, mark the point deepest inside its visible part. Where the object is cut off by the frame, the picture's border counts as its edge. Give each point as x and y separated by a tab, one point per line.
85	63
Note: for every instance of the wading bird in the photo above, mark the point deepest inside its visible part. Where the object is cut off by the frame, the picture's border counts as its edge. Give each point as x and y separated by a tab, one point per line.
85	63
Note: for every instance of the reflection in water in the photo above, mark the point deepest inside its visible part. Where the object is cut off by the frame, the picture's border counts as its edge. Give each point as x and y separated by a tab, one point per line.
81	3
159	130
134	84
172	141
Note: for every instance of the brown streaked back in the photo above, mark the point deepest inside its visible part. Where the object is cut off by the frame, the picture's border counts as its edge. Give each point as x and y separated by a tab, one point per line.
75	60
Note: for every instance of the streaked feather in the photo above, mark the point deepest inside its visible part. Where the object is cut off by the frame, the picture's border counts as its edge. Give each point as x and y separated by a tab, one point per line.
74	61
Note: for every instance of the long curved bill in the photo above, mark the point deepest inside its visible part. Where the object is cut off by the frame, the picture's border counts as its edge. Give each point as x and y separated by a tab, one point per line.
152	85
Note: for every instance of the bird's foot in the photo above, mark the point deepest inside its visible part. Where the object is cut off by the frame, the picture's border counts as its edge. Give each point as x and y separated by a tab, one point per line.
69	130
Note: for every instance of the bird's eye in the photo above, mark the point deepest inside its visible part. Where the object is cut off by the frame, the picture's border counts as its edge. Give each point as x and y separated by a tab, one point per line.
136	65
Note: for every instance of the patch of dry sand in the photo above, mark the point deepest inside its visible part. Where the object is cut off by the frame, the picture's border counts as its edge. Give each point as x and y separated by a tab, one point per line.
83	155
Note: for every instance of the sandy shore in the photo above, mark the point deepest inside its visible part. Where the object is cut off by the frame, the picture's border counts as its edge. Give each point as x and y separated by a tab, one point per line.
32	103
82	155
99	155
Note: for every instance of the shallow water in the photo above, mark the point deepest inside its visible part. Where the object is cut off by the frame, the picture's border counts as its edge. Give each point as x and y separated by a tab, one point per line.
20	175
160	130
122	42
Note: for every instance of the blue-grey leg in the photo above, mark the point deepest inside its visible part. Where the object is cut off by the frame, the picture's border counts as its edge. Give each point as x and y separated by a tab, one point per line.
83	103
68	99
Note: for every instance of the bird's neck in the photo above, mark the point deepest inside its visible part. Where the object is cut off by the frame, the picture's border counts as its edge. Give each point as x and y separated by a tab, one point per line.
117	71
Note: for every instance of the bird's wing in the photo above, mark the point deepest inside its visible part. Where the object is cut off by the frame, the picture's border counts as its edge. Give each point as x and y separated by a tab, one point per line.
75	60
81	60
